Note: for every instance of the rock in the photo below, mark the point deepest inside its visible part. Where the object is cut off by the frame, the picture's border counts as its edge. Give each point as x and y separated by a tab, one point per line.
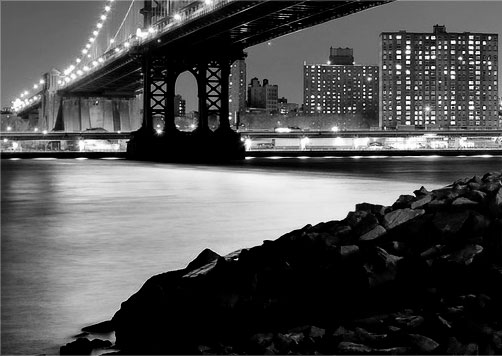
493	240
477	224
465	255
361	221
450	222
100	344
81	346
404	201
378	210
472	349
344	334
423	344
295	337
437	204
476	179
434	251
409	321
495	204
262	340
421	201
316	333
374	321
474	186
271	350
400	216
497	341
447	194
84	334
476	195
397	350
368	338
204	350
462	202
461	181
349	250
205	257
421	192
382	268
376	232
100	328
454	347
490	187
352	348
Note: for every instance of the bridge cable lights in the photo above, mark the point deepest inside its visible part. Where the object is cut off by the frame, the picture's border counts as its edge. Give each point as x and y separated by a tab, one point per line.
95	33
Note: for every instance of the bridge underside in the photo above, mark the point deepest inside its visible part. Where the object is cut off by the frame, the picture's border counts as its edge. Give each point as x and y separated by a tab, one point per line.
206	46
233	27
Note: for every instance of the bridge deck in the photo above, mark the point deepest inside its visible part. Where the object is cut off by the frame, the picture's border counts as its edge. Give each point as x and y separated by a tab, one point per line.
234	25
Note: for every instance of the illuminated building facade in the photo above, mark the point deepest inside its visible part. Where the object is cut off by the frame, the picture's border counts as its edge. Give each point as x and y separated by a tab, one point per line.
340	88
179	106
438	80
237	87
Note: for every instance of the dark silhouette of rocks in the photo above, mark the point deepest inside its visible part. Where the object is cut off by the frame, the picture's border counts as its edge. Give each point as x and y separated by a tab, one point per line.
100	328
83	346
422	276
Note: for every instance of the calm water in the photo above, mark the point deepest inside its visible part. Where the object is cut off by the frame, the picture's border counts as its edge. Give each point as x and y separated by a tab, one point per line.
80	236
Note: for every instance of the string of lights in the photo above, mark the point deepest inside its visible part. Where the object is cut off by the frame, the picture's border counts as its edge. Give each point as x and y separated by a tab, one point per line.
89	59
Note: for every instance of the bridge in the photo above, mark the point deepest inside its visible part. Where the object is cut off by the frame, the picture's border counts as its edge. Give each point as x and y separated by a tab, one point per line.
131	74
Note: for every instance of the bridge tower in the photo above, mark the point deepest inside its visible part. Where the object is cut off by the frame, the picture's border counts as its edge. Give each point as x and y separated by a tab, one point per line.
160	71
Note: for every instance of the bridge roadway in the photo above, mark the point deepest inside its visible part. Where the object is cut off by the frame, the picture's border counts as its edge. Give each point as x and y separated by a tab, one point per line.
255	134
231	27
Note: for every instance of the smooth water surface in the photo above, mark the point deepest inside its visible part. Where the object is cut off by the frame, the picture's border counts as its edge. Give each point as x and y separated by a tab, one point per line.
80	236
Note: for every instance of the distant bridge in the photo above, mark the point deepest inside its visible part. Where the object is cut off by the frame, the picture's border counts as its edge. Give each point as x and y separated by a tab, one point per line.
132	73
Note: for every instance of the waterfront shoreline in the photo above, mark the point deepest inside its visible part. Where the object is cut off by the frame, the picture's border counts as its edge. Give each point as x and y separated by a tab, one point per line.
400	279
271	153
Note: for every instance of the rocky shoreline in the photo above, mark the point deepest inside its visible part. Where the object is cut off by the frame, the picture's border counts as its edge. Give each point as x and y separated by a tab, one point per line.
422	276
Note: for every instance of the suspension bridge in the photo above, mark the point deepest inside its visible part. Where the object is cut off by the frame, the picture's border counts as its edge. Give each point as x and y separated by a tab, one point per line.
127	70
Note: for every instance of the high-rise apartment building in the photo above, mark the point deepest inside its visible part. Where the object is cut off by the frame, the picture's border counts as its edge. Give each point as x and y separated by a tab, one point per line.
263	96
341	89
237	87
438	80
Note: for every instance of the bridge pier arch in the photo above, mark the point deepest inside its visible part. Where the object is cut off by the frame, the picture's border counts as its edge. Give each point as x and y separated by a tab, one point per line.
160	72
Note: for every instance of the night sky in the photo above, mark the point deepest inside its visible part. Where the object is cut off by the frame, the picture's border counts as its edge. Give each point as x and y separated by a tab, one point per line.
39	35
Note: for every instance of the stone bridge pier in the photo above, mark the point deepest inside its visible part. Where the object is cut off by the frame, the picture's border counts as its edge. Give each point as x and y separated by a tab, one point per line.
76	113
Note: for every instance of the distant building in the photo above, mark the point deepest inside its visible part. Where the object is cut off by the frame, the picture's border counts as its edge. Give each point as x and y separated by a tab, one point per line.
263	96
285	107
237	87
179	106
439	80
341	56
341	89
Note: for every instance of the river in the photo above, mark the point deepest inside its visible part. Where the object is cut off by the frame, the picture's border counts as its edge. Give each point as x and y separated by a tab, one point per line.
80	236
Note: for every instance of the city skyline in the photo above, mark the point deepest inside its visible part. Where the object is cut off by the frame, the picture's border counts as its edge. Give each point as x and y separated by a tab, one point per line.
280	60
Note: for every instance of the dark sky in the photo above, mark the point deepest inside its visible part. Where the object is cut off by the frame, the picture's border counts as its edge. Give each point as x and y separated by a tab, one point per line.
38	35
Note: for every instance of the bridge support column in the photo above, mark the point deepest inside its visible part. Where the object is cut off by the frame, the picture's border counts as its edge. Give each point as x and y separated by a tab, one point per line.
159	79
